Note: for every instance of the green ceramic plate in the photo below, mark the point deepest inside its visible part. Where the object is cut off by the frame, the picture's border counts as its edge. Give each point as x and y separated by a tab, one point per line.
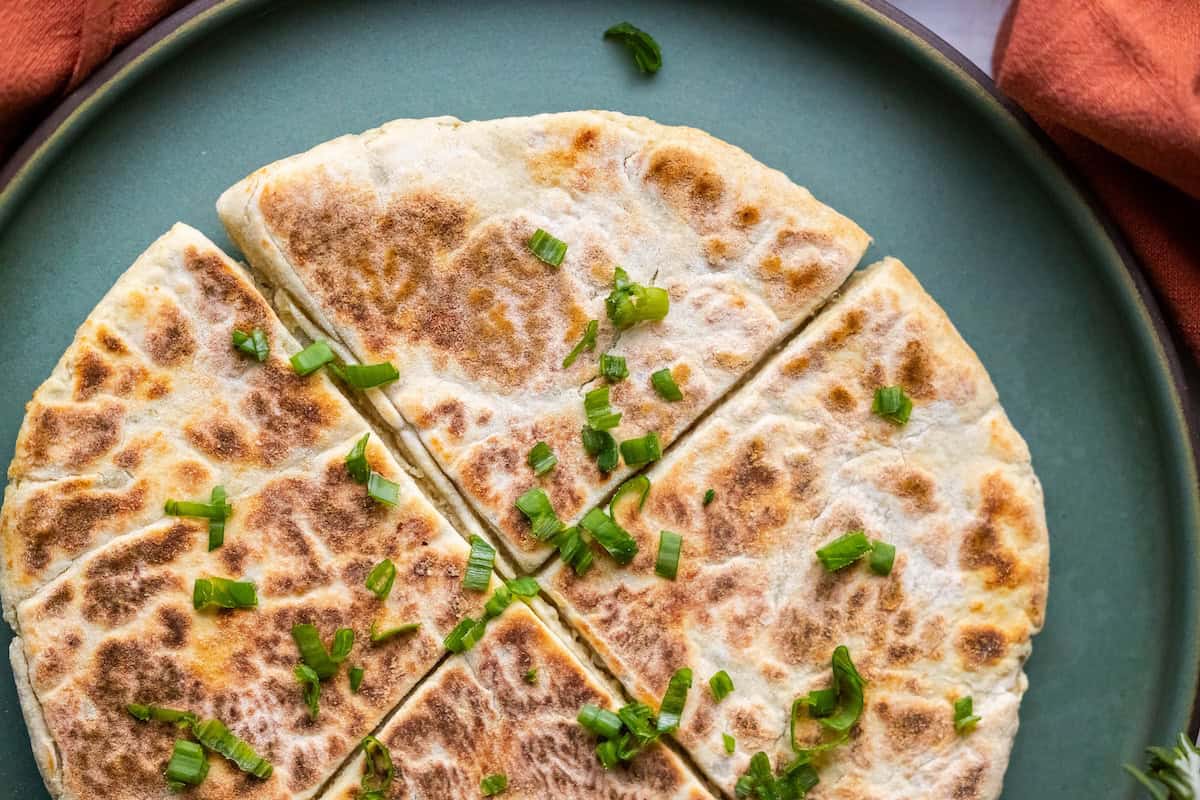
875	120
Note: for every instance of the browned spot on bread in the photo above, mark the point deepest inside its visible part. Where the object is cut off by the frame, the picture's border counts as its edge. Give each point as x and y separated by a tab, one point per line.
687	180
839	400
65	518
169	338
119	582
176	625
111	342
450	412
916	373
983	548
795	367
754	495
913	727
290	411
804	639
969	785
747	216
72	436
130	457
981	645
717	250
1004	505
58	599
222	289
91	372
913	487
220	438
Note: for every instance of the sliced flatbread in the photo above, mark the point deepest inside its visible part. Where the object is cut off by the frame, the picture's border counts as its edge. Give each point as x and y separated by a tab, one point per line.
796	458
409	244
477	715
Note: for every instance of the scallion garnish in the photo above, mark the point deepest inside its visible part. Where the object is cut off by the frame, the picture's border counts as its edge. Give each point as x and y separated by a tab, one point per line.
211	510
721	685
479	565
965	718
600	415
366	376
844	551
600	721
224	593
602	445
632	728
343	643
729	742
531	675
311	683
153	713
541	459
380	579
883	556
613	368
312	358
630	303
216	737
356	678
252	344
574	550
216	526
821	702
792	783
469	631
356	460
378	636
493	784
639	485
646	52
313	652
464	635
709	496
188	765
535	505
524	587
669	546
547	248
642	450
892	404
378	772
382	490
586	342
611	536
665	385
671	710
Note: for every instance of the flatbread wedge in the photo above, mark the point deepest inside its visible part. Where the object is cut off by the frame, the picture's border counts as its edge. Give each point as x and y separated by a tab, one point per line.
478	715
796	459
410	243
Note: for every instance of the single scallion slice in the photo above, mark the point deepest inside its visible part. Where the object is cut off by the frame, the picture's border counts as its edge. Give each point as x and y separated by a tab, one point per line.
638	719
642	450
457	640
378	636
367	376
356	678
721	685
541	458
611	536
729	742
670	712
646	52
602	445
479	565
849	686
883	556
574	550
548	249
630	303
844	551
216	526
613	368
600	415
669	546
821	702
639	485
252	344
493	784
665	385
524	587
535	505
210	510
500	600
308	678
965	718
382	490
312	650
892	404
378	771
586	342
224	593
709	496
343	643
381	578
213	734
153	713
188	765
600	721
356	460
312	358
531	675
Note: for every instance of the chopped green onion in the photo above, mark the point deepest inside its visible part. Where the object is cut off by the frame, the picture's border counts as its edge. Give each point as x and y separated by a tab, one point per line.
646	52
642	450
665	385
638	719
356	678
312	650
669	546
613	368
671	710
965	718
210	510
382	490
366	376
531	675
216	527
378	772
343	643
611	536
721	685
600	415
216	737
312	358
464	636
844	551
524	587
729	742
252	344
356	460
153	713
479	565
547	249
892	404
821	702
535	505
709	496
188	765
500	600
493	784
381	578
637	485
793	783
849	686
586	342
573	550
541	458
224	593
630	303
311	681
604	446
883	555
599	721
378	636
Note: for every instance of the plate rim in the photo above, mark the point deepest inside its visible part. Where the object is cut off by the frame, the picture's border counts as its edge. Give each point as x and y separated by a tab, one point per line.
196	18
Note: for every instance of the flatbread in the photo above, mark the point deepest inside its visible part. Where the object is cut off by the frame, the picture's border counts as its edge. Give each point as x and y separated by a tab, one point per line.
477	716
796	459
408	244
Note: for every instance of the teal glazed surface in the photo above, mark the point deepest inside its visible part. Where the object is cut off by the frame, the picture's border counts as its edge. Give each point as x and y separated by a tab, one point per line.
872	119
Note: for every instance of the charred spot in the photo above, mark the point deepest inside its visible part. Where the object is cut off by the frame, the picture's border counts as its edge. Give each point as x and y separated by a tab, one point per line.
91	372
840	401
968	786
914	488
803	639
981	645
176	625
223	289
795	367
289	411
983	552
450	412
58	599
131	457
67	518
913	727
747	216
73	437
169	339
586	139
219	438
118	582
687	180
916	373
111	342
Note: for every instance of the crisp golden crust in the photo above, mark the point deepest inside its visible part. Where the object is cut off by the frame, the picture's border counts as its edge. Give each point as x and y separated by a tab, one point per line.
476	716
796	459
408	243
152	402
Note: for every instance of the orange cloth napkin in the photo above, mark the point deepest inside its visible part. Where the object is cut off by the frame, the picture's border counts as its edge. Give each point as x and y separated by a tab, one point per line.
48	47
1116	83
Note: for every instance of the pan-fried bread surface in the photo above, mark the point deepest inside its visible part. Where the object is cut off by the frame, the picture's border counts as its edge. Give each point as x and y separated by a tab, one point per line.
477	716
408	243
796	459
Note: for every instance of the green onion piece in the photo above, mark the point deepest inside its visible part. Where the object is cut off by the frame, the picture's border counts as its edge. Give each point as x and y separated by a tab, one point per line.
378	636
381	578
729	742
611	536
311	682
892	404
671	710
630	303
669	546
600	415
586	342
606	752
224	593
721	685
547	249
646	52
524	587
312	651
638	719
883	555
821	702
216	527
600	721
312	358
573	550
188	765
378	772
709	496
356	460
493	784
642	450
382	490
252	344
210	510
535	505
456	640
216	737
367	376
541	458
500	600
153	713
356	678
343	643
665	385
844	551
604	446
965	718
639	485
613	368
479	565
849	685
531	675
